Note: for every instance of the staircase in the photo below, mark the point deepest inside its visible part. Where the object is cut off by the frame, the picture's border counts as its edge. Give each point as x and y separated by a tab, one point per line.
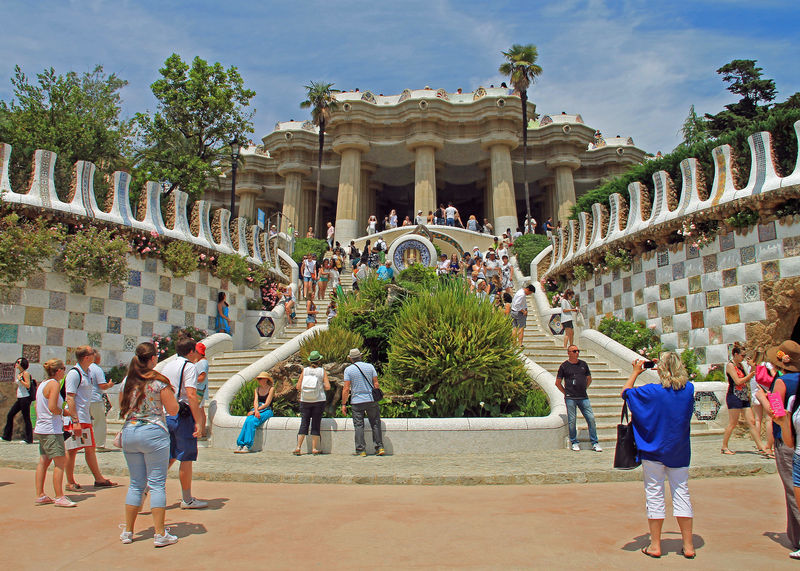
607	382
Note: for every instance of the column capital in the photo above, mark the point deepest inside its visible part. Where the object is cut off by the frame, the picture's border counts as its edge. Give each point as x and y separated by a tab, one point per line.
424	140
570	161
293	167
345	142
506	138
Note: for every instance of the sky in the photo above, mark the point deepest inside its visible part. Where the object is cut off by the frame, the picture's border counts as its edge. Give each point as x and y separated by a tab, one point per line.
629	67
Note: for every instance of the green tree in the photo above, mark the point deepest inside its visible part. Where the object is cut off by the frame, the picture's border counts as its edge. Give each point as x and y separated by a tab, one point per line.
76	116
745	80
201	108
319	97
694	129
522	70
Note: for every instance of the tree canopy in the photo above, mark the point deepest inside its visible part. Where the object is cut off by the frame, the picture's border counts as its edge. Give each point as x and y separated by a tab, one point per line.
319	97
744	79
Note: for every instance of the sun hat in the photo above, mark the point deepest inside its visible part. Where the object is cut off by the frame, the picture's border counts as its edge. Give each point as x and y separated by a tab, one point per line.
314	356
786	356
264	375
200	348
354	354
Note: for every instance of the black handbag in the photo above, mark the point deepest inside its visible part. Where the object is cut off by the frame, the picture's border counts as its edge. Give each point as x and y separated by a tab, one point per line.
626	456
377	394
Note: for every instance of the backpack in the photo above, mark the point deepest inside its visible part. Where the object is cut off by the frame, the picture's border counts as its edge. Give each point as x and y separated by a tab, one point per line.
63	390
310	387
32	388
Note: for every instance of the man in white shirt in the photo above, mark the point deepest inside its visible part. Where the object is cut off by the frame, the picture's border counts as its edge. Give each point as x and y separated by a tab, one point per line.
519	311
329	236
97	406
420	219
187	425
450	214
78	387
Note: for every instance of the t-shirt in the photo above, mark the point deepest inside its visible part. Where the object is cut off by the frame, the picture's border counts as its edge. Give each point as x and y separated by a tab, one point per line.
98	378
172	371
566	316
519	301
450	212
79	384
202	387
575	376
22	392
315	375
791	380
150	410
492	268
360	388
331	230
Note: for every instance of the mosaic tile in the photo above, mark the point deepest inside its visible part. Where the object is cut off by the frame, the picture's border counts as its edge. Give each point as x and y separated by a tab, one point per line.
164	284
770	271
695	284
34	316
697	320
70	360
598	278
212	323
615	275
75	320
8	332
636	266
683	339
607	290
701	354
662	258
666	324
751	292
732	314
147	328
628	314
115	292
94	339
766	232
151	265
663	291
626	284
748	254
680	304
135	278
710	263
97	305
191	289
55	336
114	325
617	302
598	309
715	335
692	252
712	298
36	281
727	242
678	271
129	343
11	297
223	284
638	297
148	297
650	278
232	299
58	300
162	314
188	319
79	288
6	372
652	310
791	246
32	352
132	310
177	301
203	277
729	277
589	295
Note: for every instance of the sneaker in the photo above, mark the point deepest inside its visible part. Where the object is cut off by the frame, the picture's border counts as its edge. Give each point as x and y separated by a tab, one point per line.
193	504
125	537
576	447
361	453
64	502
380	452
241	450
795	554
43	501
166	539
596	448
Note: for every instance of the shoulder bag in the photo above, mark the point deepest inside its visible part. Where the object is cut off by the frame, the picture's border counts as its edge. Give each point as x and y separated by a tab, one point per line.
626	456
377	394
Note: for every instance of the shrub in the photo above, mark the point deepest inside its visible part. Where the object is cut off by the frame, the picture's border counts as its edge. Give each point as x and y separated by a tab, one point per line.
180	258
418	275
461	348
165	345
305	246
233	267
582	272
94	255
116	373
333	344
526	248
789	208
635	336
618	259
24	246
743	219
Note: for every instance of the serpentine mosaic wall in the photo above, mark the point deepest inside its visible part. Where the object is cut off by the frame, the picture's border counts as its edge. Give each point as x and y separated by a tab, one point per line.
699	296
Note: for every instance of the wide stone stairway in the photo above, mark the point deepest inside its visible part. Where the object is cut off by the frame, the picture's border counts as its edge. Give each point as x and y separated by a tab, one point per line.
607	382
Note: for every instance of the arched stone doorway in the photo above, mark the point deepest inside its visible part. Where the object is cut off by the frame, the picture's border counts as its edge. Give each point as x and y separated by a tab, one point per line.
782	301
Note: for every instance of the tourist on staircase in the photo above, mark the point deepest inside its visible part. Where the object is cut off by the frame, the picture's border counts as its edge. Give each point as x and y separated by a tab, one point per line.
519	312
308	270
568	312
311	313
573	379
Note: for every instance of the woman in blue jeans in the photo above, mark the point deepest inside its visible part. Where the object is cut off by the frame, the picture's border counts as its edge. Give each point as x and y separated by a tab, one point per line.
261	411
145	440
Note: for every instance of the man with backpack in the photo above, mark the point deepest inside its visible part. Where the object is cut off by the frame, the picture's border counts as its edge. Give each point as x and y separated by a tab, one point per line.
354	254
97	407
362	379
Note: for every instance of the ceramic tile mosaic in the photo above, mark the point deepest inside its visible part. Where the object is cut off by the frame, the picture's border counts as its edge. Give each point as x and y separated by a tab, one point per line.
58	300
147	328
151	265
148	297
732	314
97	305
37	281
32	352
75	320
770	271
135	278
751	292
791	246
712	298
666	324
617	302
626	284
94	339
650	278
115	292
615	274
710	263
55	336
636	266
663	291
607	290
212	323
678	271
162	314
12	296
680	304
6	372
597	280
662	258
223	284
114	325
729	277
202	305
191	289
70	360
638	297
129	343
695	284
726	242
652	310
164	284
232	299
132	310
8	332
177	301
598	308
683	339
203	277
697	319
34	316
692	252
78	288
766	232
628	314
188	319
715	335
748	254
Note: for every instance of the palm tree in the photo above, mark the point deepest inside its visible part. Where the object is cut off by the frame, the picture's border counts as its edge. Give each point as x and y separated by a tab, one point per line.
522	70
319	96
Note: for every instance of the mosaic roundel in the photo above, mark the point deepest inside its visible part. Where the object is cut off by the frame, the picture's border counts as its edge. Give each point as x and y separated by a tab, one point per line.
412	250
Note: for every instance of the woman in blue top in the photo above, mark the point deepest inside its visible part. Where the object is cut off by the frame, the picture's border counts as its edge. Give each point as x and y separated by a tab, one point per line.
662	414
223	321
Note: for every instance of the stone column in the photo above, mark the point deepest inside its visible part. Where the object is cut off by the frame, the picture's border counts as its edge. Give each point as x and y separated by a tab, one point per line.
350	147
565	186
309	201
503	196
247	203
291	198
424	146
366	197
488	206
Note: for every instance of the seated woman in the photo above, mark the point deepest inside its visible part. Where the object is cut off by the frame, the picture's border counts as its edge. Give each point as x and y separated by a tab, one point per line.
262	410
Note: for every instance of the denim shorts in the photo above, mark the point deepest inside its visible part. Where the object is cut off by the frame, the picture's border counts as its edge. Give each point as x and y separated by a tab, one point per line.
796	470
183	445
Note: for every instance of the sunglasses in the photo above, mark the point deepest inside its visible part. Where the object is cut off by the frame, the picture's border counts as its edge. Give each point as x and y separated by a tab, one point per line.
574	351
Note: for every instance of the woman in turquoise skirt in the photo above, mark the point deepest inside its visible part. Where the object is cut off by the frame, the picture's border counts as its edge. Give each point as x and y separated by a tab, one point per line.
223	321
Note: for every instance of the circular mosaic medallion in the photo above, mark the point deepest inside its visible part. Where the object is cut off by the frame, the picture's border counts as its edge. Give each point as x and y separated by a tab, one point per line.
412	249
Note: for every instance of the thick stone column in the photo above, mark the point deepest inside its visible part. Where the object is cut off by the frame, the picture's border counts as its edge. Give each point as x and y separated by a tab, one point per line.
424	146
488	206
291	199
503	197
247	203
365	197
350	147
565	186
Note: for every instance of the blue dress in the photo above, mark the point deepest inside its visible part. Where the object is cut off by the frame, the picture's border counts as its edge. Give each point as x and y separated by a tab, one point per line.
222	325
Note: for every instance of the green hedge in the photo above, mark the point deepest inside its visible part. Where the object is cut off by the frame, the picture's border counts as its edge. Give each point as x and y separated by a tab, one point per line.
526	248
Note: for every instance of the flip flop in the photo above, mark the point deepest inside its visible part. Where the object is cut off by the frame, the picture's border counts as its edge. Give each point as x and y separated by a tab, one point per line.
654	556
728	451
692	556
297	452
74	487
316	452
105	484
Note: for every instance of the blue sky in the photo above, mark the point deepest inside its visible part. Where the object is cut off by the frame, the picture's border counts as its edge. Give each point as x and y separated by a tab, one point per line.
629	67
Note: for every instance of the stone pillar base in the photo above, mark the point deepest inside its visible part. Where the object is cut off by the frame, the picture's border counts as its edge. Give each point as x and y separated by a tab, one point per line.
503	222
347	230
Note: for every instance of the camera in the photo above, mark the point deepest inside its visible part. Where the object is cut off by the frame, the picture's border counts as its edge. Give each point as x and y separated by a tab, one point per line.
649	365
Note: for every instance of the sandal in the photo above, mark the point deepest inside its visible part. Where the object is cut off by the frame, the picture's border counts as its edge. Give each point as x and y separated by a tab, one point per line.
105	484
653	555
767	455
76	487
687	556
316	452
728	451
297	452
